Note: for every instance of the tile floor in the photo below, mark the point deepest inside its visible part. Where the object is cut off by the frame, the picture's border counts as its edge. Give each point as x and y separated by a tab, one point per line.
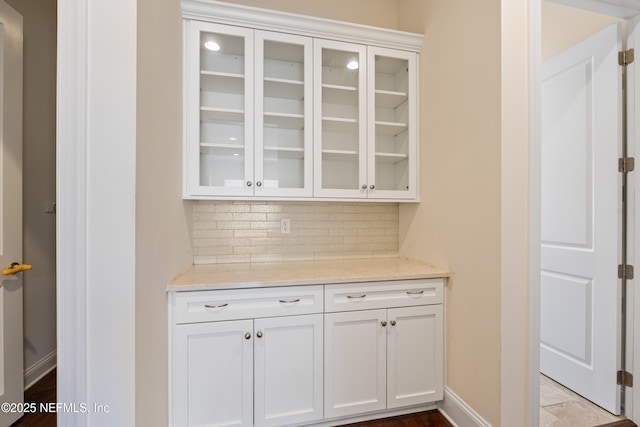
560	407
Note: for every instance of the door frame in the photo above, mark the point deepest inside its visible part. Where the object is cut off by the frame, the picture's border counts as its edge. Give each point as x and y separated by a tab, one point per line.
95	184
631	402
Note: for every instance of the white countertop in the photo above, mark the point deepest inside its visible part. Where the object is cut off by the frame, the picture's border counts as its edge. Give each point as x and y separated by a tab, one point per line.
295	273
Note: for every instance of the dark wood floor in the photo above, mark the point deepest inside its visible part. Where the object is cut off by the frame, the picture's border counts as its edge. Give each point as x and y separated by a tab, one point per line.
44	391
421	419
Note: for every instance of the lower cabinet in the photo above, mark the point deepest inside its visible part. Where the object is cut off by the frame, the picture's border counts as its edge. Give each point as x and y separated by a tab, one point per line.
263	371
382	359
299	355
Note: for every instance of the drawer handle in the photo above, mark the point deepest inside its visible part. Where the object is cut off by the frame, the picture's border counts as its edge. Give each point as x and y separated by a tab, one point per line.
212	306
415	292
356	296
290	301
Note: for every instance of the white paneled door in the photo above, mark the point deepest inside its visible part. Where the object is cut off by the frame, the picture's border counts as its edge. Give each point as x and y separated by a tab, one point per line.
580	299
11	365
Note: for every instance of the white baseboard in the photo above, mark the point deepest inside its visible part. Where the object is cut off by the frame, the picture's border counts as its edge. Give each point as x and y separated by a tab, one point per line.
39	369
459	413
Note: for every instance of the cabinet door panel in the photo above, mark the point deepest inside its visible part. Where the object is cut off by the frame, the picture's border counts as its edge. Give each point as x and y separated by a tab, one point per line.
392	116
213	374
340	119
355	362
219	109
284	115
415	356
288	370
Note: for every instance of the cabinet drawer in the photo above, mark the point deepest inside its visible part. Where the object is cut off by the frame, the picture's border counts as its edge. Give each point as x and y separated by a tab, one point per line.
374	295
207	306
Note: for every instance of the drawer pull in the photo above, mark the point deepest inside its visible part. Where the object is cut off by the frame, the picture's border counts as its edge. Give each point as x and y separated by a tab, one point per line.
212	306
247	336
415	292
356	296
393	323
290	301
383	323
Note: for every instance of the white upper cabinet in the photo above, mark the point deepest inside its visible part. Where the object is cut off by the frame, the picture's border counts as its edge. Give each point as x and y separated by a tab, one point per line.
293	107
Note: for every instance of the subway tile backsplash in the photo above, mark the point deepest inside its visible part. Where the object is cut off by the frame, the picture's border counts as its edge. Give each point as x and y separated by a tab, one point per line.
230	232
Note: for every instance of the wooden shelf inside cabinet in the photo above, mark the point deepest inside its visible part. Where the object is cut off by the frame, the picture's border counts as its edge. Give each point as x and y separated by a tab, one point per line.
339	124
274	153
283	88
221	149
284	120
390	99
211	81
211	114
339	155
390	128
335	94
391	157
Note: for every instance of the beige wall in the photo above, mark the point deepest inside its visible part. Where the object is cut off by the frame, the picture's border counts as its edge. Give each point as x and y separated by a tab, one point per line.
379	13
163	245
558	36
39	156
458	223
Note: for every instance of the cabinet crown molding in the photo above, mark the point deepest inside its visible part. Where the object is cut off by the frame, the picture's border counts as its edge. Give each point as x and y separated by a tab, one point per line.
271	20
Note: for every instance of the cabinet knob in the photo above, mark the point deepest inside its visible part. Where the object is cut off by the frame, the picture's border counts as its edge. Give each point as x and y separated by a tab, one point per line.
371	187
259	183
364	186
247	336
393	323
249	183
259	334
383	323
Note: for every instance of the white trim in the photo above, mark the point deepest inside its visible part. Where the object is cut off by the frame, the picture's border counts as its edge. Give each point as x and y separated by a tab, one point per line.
535	67
96	135
71	200
633	302
459	413
514	210
271	20
38	370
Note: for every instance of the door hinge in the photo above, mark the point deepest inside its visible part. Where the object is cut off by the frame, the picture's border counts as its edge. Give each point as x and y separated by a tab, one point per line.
626	164
625	378
625	271
625	57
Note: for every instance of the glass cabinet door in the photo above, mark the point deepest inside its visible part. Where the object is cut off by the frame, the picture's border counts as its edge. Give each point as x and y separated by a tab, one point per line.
340	119
220	110
284	119
392	123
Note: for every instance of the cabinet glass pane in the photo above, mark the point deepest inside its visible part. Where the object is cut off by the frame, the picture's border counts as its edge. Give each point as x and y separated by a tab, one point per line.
340	124
222	110
391	123
283	117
